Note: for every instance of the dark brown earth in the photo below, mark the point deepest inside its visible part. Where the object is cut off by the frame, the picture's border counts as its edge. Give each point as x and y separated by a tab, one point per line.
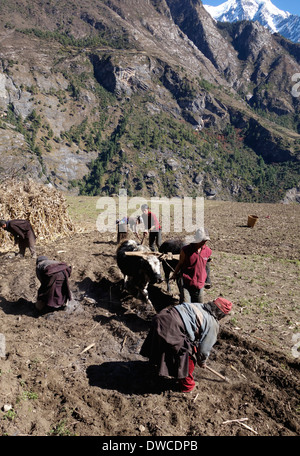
79	373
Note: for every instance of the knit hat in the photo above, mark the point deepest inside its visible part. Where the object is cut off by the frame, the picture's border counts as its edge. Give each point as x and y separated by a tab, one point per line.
223	304
201	235
41	258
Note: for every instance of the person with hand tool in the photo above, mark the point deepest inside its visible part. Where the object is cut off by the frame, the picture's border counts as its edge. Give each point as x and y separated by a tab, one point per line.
182	336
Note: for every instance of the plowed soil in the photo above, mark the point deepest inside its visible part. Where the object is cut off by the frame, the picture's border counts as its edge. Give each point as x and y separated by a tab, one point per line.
78	372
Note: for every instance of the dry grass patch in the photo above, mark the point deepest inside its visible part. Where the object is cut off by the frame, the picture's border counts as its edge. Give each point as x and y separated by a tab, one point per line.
44	206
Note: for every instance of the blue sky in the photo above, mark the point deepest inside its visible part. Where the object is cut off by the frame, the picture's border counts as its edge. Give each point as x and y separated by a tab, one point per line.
292	6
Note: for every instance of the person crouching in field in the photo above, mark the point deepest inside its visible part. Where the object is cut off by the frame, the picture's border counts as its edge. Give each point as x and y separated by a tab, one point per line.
23	234
54	291
182	336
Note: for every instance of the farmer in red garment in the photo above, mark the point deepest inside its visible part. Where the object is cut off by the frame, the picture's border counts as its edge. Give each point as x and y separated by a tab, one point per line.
152	227
192	266
182	336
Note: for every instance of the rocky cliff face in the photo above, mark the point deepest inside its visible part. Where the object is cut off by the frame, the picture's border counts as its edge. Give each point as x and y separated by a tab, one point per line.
100	95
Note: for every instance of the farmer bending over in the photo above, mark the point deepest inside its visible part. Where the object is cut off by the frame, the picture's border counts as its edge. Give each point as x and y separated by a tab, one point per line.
23	234
182	336
54	292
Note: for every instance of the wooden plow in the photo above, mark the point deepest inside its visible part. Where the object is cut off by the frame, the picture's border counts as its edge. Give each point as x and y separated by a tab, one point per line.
160	256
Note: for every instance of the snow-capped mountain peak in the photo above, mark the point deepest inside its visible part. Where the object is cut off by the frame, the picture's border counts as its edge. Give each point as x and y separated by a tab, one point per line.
263	11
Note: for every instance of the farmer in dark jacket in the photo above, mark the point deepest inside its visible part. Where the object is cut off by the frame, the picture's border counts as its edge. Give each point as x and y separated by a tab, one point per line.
54	292
23	234
182	336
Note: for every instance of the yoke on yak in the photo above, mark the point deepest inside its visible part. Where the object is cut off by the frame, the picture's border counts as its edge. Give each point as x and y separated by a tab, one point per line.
161	256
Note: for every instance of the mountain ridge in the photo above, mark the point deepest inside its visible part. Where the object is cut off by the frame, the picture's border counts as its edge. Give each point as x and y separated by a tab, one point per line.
263	11
154	97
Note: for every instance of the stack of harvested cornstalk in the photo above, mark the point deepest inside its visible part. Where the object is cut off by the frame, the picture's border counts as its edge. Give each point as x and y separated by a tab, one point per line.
44	206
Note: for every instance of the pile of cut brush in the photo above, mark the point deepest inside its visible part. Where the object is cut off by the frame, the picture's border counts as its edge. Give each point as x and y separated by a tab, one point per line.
44	206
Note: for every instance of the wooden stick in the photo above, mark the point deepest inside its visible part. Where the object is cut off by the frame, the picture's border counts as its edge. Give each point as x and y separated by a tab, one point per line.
259	338
169	256
87	348
217	373
232	367
95	326
248	427
141	253
240	421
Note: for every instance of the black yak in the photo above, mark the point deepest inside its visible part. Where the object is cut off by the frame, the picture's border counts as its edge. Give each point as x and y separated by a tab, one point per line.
138	270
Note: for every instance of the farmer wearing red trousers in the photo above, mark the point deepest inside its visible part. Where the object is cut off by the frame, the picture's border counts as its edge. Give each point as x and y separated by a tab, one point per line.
182	336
